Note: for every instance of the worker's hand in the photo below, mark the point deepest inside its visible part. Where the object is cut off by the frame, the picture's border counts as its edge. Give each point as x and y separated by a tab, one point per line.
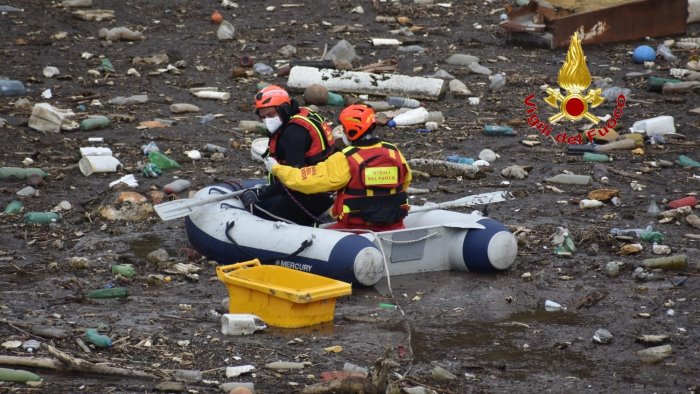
269	163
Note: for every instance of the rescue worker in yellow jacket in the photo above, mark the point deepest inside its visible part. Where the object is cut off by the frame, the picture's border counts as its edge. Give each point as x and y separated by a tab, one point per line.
370	176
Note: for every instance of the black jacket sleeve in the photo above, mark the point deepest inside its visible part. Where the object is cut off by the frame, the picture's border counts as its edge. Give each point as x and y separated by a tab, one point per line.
291	148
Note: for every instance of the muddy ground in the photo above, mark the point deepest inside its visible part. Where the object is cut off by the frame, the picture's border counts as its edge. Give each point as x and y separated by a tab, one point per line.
490	331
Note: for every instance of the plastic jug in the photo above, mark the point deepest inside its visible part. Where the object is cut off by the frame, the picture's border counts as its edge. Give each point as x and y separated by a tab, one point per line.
241	324
659	125
11	87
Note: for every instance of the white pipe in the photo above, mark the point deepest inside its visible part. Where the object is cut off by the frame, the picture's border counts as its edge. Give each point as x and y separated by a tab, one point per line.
693	11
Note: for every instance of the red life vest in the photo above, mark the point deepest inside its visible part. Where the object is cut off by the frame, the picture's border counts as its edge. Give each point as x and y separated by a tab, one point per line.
320	132
375	194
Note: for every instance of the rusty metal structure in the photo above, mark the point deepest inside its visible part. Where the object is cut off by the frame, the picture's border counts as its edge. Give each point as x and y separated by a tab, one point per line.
552	23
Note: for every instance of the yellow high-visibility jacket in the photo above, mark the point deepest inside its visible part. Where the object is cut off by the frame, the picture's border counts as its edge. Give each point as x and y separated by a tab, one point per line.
329	175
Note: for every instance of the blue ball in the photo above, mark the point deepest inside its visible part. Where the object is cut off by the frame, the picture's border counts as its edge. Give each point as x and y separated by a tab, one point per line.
643	53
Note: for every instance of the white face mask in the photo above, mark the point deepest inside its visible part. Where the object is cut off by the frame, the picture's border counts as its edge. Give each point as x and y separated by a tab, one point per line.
345	139
273	124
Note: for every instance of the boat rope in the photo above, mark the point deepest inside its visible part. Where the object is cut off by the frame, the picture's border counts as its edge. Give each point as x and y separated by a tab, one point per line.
304	244
409	329
409	241
315	218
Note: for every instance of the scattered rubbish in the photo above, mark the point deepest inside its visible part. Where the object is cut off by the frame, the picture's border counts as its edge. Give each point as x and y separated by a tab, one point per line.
459	59
444	168
188	375
385	305
162	161
676	263
13	207
459	89
643	53
514	171
655	354
414	116
211	94
564	242
659	125
182	108
441	373
17	173
570	179
97	339
225	31
459	159
685	161
652	339
282	365
612	269
177	186
99	164
17	375
241	324
602	336
131	100
342	51
93	15
551	306
41	217
596	157
31	345
125	270
498	81
47	118
689	201
491	129
27	192
588	204
234	372
10	87
114	292
120	34
94	123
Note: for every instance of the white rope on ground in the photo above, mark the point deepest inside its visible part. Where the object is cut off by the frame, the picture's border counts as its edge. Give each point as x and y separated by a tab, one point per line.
391	293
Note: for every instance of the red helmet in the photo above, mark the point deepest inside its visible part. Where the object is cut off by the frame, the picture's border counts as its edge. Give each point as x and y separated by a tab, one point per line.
357	120
271	96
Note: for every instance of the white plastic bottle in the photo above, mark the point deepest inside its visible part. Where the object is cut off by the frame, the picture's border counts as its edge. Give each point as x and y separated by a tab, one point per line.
659	125
415	116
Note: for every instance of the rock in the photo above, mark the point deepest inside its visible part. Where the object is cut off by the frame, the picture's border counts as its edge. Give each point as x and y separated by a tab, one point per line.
287	51
316	94
693	221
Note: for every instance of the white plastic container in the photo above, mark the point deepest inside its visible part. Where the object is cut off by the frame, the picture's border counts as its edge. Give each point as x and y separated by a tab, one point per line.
97	164
385	42
551	306
241	324
415	116
258	148
47	118
659	125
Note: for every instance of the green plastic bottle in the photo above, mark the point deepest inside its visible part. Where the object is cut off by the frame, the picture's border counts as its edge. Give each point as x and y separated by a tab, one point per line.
115	292
492	129
652	236
20	173
656	84
335	99
97	339
685	161
596	157
17	375
107	65
94	123
14	207
162	161
125	270
41	217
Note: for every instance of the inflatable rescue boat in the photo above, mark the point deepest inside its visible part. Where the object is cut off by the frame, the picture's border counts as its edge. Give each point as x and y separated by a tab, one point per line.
434	240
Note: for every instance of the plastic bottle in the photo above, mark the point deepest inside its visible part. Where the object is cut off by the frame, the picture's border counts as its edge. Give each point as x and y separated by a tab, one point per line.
492	129
150	147
435	116
600	172
206	118
402	102
125	270
94	123
352	368
11	87
683	161
385	305
263	69
97	339
252	125
596	157
14	207
335	99
190	376
652	236
115	292
17	375
241	324
666	53
177	186
459	159
630	232
570	179
612	269
622	144
342	51
498	81
653	208
689	201
414	116
31	345
659	125
41	217
579	149
677	262
611	93
162	161
656	84
150	170
215	148
589	204
20	173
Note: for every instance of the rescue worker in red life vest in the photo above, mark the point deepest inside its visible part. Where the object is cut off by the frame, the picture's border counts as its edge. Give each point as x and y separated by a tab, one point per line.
298	137
370	175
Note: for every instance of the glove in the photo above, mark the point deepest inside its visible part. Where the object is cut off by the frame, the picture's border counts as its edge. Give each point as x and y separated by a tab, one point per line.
269	163
250	197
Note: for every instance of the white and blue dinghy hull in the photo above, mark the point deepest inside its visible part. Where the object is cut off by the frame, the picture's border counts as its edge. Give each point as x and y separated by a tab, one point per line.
433	240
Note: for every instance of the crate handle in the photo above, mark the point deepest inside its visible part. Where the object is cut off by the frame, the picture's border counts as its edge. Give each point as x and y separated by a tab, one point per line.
245	264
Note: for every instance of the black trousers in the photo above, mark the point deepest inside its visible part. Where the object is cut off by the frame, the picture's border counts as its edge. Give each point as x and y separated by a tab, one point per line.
290	207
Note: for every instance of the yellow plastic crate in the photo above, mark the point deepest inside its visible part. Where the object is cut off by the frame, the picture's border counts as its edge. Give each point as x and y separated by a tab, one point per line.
281	296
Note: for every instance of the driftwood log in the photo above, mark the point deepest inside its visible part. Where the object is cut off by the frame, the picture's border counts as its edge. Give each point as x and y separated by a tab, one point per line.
68	363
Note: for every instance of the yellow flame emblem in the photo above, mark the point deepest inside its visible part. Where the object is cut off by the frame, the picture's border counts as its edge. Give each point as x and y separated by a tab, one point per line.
575	78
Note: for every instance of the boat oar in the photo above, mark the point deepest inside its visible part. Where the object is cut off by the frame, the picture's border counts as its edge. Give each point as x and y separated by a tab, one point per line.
180	208
476	199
